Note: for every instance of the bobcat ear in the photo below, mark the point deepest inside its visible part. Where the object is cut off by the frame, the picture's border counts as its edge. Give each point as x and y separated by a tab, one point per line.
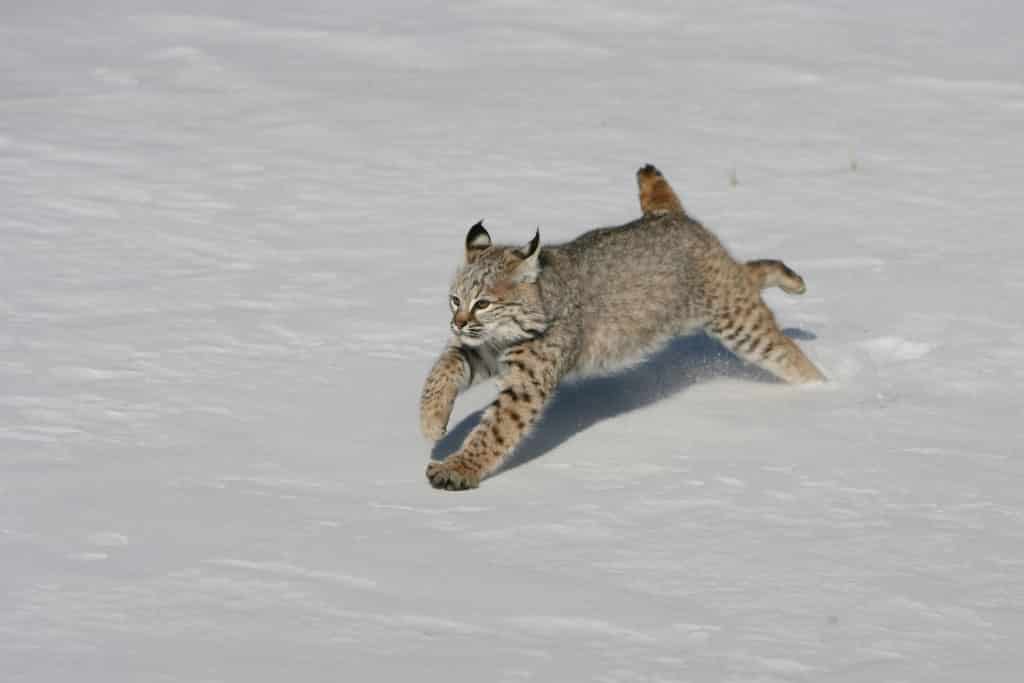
477	239
528	269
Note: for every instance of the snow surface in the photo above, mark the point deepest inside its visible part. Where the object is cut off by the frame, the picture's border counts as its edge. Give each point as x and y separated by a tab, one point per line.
227	233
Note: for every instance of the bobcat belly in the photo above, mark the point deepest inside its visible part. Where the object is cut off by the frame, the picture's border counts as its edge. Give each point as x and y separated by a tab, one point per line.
607	353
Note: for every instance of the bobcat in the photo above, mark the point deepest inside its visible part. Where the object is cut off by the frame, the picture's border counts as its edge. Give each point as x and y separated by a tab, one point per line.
531	317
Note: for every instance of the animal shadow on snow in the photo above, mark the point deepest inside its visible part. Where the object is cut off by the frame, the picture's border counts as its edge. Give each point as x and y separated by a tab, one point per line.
579	404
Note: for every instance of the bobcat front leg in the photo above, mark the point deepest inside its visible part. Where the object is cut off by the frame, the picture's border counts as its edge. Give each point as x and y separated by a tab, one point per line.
530	374
455	371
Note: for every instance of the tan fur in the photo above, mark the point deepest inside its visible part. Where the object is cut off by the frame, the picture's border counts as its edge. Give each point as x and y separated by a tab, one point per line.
657	197
530	318
766	273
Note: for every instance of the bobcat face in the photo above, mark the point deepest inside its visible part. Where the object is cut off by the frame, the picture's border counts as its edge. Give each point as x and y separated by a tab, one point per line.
494	298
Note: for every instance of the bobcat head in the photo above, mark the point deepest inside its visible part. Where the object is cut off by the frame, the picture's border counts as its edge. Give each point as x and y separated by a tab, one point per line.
494	298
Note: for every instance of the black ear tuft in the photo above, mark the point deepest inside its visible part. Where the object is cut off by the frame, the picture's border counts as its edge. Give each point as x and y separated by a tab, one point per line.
534	244
477	239
528	268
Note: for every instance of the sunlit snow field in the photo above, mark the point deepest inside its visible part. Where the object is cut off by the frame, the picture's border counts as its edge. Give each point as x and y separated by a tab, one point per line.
226	234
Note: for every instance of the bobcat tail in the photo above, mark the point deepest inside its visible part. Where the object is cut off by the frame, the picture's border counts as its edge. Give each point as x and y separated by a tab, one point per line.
657	198
766	273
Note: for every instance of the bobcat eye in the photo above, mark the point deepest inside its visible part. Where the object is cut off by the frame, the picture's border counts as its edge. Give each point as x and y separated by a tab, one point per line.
454	301
482	304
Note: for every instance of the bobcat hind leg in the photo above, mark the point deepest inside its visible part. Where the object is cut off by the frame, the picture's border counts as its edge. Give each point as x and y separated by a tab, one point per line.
753	335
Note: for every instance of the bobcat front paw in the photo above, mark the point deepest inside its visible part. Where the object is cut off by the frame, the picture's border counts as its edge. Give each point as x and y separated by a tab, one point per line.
452	475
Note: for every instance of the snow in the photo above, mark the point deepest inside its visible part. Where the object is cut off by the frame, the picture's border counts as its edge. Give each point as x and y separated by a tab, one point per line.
227	233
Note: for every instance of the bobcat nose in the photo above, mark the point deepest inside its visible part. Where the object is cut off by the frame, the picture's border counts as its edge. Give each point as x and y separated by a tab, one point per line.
460	320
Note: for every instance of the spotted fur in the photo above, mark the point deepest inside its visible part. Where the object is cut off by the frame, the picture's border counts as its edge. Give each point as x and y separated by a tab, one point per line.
530	317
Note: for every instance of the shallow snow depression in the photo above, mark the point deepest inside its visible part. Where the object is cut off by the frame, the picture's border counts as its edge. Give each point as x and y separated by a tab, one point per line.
227	230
